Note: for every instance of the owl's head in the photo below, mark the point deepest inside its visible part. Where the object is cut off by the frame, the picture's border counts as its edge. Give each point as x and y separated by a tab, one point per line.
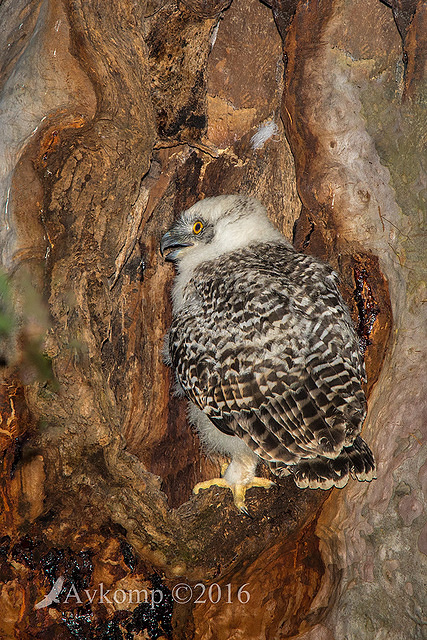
215	226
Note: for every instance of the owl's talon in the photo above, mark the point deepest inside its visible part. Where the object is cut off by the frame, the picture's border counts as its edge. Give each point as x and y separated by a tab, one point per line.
244	510
238	490
263	483
207	484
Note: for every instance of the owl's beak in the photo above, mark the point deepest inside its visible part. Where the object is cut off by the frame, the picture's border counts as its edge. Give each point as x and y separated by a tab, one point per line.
175	241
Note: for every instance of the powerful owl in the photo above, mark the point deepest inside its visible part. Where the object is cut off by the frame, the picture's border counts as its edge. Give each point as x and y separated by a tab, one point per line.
263	346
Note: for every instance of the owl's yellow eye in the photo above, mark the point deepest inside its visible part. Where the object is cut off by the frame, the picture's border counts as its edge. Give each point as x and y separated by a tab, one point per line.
197	227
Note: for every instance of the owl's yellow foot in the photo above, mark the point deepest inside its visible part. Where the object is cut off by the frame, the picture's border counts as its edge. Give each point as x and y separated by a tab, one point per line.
238	490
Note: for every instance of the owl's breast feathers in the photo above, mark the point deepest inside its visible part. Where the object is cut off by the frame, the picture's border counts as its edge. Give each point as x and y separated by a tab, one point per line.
267	349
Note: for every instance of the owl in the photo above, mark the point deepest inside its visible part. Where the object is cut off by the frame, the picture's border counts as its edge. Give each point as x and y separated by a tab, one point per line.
264	349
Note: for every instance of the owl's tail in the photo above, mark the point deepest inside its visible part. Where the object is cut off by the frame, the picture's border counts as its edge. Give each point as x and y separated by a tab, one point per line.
324	473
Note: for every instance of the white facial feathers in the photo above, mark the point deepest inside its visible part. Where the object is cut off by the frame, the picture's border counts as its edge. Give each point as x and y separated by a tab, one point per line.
231	222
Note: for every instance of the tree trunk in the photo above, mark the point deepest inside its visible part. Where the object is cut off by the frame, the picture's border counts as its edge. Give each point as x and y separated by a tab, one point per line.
114	118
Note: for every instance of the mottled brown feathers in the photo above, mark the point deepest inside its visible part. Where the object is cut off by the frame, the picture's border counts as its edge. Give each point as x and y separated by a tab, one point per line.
264	345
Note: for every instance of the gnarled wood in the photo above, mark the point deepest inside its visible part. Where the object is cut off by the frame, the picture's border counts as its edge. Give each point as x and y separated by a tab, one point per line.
114	119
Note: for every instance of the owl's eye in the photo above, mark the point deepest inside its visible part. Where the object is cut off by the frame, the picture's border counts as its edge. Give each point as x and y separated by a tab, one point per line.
197	227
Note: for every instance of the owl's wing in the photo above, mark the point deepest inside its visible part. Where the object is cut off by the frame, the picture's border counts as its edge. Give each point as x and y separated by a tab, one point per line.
281	370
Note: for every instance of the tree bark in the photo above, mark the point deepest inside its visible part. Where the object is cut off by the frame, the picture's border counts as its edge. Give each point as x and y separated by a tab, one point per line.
115	117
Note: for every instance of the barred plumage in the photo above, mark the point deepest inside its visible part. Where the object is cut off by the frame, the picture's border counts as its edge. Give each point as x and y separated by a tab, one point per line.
263	346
